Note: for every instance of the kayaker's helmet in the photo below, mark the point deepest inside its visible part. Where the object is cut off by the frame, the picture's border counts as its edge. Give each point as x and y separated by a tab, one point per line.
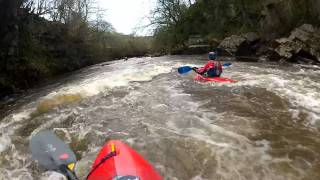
212	55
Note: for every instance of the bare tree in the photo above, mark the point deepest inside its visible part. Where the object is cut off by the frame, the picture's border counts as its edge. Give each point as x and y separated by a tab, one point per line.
63	10
168	12
100	24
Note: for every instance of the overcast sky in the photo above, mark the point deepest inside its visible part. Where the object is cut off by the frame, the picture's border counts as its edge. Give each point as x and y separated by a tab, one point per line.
126	15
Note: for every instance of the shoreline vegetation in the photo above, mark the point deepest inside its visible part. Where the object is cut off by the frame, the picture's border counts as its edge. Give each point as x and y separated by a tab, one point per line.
41	39
248	30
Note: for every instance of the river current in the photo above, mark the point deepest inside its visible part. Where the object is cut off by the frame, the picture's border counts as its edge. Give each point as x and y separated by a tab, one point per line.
265	126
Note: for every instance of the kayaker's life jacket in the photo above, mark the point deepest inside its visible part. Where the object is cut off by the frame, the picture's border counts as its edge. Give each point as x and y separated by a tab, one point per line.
211	69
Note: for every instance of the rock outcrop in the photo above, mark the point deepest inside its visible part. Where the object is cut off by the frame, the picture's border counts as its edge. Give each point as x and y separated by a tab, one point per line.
241	46
302	46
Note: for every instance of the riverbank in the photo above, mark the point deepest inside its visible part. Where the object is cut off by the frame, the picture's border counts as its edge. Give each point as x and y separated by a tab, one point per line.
301	46
34	49
270	30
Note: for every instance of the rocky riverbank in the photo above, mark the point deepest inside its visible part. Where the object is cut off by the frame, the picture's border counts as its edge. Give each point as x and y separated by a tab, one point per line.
302	46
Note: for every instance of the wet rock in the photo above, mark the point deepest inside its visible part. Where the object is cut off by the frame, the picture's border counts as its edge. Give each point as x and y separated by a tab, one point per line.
232	43
251	37
263	59
197	49
302	46
287	48
303	33
267	53
241	46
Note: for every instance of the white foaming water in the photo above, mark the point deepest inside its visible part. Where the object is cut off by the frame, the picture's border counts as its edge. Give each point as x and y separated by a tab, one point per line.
20	163
186	117
50	175
101	82
302	93
299	95
225	144
104	82
8	126
5	141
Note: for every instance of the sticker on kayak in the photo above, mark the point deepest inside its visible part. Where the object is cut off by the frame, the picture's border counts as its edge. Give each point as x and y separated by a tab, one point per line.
126	178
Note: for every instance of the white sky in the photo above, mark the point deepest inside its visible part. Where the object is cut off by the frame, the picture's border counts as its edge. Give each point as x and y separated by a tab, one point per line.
126	15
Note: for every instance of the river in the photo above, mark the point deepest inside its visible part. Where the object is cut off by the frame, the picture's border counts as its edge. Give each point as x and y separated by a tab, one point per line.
265	126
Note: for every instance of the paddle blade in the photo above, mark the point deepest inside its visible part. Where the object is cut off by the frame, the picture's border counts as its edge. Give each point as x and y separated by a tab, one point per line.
227	64
51	152
184	69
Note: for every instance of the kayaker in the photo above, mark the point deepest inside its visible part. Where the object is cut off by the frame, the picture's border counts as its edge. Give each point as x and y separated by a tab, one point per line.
212	68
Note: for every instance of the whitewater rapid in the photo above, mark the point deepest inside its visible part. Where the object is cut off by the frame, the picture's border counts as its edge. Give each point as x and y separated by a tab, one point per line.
265	126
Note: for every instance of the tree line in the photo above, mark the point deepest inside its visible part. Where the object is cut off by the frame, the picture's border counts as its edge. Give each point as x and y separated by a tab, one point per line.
43	38
175	21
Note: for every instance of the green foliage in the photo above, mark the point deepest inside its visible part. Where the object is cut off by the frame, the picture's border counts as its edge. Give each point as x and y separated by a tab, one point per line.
220	18
206	18
299	12
42	48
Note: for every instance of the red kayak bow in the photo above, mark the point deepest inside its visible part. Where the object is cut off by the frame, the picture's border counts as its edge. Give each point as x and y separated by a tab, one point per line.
117	160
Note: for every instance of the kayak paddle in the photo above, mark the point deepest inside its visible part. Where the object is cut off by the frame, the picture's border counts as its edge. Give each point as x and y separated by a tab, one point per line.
227	64
53	154
186	69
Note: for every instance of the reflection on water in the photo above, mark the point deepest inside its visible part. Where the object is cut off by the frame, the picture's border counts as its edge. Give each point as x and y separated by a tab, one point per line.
263	127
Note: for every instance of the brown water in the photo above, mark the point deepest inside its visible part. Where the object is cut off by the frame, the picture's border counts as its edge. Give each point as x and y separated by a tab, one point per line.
266	126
